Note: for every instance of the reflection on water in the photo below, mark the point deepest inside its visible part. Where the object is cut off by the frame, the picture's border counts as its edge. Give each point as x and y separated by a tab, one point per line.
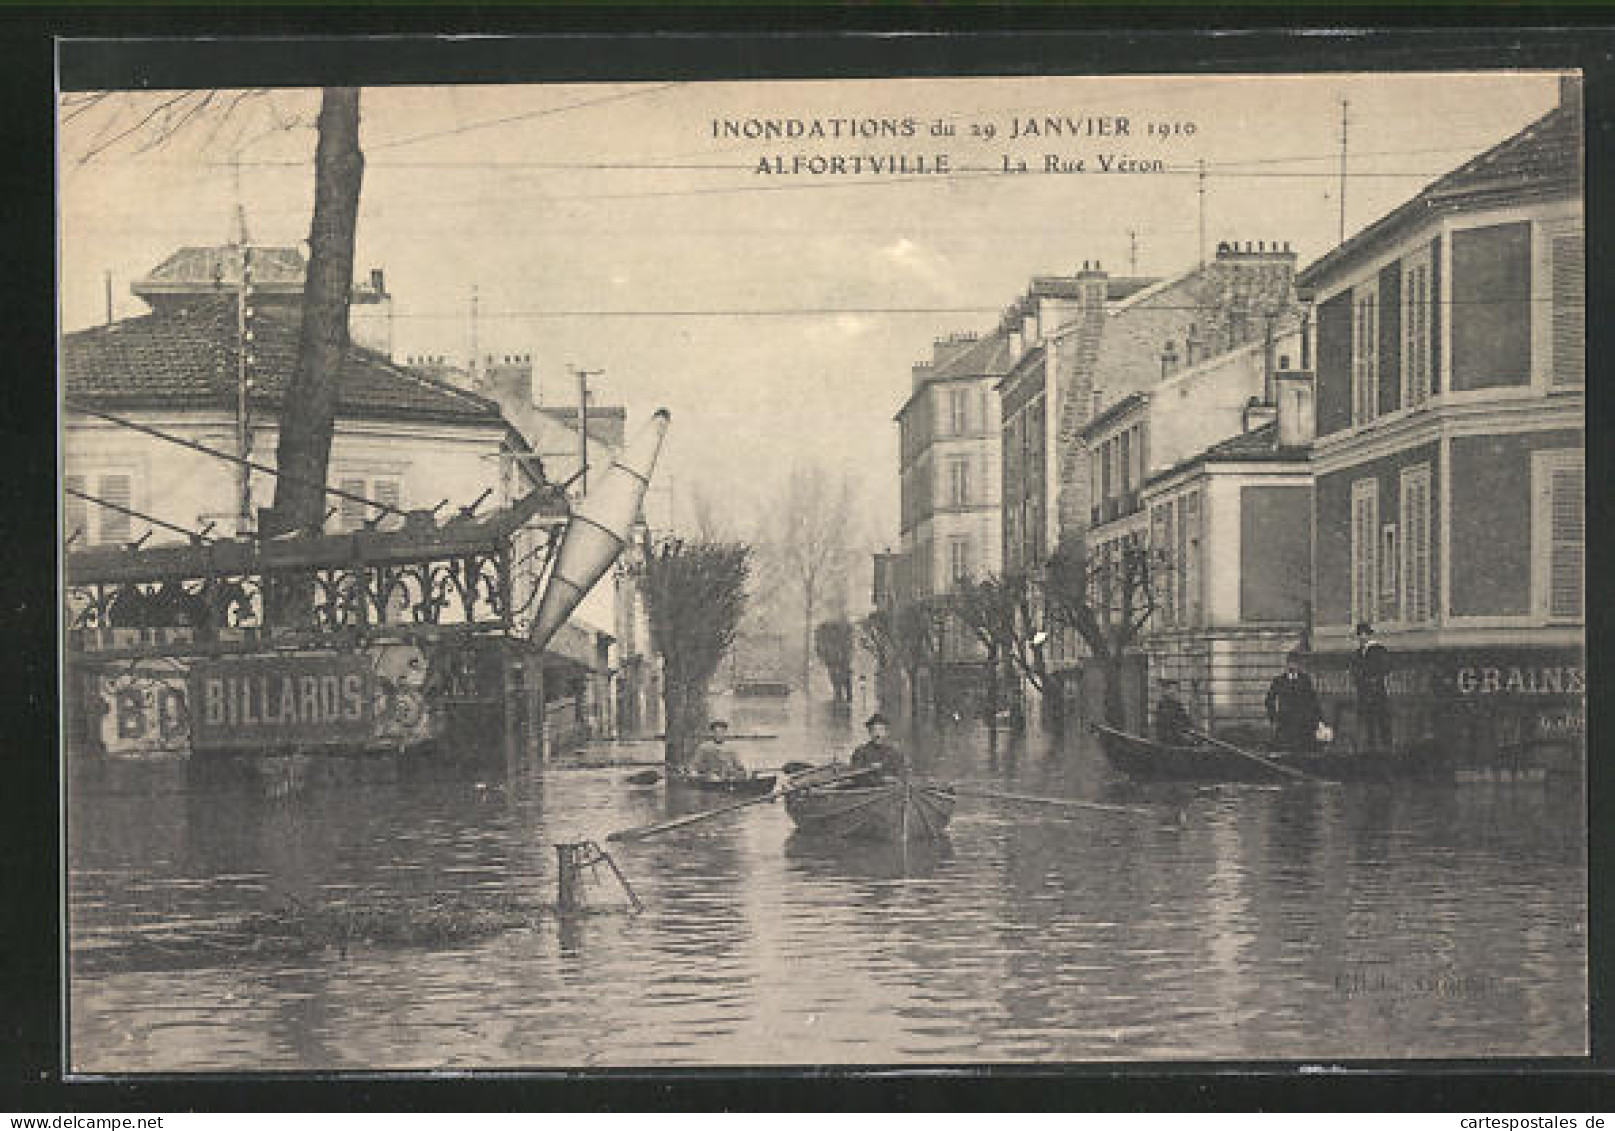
1308	922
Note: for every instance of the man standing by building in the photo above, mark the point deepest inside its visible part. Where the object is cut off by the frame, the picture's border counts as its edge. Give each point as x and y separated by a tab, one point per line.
1292	707
1370	667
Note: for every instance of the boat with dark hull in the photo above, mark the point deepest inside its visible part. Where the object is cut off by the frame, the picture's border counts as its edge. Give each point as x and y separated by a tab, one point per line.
1146	759
895	812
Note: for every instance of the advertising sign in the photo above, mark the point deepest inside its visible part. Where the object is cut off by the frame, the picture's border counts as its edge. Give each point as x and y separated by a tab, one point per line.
303	700
144	709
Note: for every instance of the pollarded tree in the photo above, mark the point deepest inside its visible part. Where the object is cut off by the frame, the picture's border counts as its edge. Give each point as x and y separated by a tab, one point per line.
833	642
695	597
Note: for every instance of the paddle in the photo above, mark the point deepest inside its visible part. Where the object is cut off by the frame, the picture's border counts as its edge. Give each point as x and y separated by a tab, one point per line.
1057	802
694	818
1257	758
651	777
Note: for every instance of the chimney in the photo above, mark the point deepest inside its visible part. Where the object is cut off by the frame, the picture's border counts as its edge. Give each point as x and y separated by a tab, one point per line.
1258	415
1169	360
1194	350
1295	407
1029	334
378	281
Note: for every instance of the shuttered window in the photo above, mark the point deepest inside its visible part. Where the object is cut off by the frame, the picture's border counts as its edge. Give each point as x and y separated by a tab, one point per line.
1416	605
386	492
1416	302
1365	533
1390	562
1365	355
1559	533
1569	309
1161	540
958	482
351	512
959	560
1191	559
119	491
958	411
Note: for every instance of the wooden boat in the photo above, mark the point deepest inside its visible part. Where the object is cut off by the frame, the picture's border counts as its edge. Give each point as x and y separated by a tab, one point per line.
1148	760
896	812
751	785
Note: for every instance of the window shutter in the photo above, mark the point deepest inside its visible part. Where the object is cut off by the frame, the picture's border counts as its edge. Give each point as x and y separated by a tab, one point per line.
1569	310
1567	535
1191	559
385	492
1421	547
119	490
350	512
1364	533
75	511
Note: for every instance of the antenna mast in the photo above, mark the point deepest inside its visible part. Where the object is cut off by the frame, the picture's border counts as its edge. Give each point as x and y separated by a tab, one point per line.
1345	118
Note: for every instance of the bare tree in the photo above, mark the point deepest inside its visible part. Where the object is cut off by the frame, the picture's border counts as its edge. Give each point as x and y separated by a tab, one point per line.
695	597
813	525
309	413
1109	601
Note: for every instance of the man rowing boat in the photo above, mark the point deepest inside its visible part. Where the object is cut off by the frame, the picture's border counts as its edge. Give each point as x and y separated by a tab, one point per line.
715	759
878	752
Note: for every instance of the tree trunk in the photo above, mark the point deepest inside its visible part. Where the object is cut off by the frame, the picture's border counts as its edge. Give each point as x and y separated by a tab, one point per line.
309	411
1115	698
685	706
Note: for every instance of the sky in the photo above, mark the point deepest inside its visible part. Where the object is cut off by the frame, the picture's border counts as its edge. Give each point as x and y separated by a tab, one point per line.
624	228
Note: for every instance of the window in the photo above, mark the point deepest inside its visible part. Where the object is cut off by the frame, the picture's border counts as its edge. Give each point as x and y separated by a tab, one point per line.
1568	351
1416	354
1364	532
1365	354
1417	607
958	481
1161	540
958	411
1191	559
1558	534
352	514
1178	574
1125	458
959	560
119	491
1389	564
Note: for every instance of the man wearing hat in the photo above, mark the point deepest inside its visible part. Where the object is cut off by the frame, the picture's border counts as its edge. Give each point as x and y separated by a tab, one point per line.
1370	668
1292	707
714	758
878	752
1173	726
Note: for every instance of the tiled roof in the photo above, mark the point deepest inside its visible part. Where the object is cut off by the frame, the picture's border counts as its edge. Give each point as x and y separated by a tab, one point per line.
1259	445
187	359
205	266
986	357
1541	162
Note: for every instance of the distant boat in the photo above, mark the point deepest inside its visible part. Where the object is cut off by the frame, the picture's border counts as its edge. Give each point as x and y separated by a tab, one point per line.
894	812
1146	759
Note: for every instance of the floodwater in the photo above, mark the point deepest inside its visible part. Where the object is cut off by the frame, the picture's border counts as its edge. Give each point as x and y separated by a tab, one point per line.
1313	923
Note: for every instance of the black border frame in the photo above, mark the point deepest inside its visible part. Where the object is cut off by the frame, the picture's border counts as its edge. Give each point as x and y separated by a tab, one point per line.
150	47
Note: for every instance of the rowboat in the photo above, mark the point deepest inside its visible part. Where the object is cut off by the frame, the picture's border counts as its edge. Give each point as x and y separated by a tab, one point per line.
1149	760
897	811
751	785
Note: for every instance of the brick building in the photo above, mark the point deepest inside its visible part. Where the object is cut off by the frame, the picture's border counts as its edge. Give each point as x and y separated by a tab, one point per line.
1449	456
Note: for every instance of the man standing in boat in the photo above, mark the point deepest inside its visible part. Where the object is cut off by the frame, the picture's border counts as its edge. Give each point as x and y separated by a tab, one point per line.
1370	666
1292	707
714	758
878	752
1173	726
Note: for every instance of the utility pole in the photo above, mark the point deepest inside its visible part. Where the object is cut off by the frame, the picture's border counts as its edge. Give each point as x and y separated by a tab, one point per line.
243	385
471	370
108	275
1345	119
1202	212
583	376
1132	252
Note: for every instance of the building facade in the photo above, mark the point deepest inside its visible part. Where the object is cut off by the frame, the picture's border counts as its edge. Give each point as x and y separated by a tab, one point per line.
1449	457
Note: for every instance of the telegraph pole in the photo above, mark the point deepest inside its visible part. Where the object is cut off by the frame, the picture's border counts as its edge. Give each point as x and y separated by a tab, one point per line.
1202	211
1345	118
1132	252
244	384
108	275
471	370
583	376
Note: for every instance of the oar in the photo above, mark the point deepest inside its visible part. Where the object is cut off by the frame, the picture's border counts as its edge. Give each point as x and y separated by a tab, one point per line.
644	777
1028	799
1291	771
651	777
694	818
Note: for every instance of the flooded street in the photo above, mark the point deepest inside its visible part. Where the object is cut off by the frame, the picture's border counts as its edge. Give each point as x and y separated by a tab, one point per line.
1314	921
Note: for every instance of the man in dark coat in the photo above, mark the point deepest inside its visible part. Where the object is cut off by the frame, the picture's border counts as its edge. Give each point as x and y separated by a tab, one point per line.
878	752
1370	667
1173	726
1292	707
